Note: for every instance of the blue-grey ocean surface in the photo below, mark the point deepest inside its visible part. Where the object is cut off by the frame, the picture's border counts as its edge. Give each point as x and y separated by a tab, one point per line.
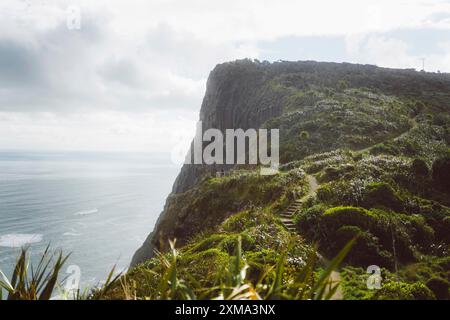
97	206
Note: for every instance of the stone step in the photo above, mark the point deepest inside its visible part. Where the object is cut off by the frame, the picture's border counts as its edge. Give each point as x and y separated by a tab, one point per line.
289	225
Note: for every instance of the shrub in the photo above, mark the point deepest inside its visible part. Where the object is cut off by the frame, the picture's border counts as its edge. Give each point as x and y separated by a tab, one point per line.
325	193
404	291
419	168
366	251
439	287
304	135
331	173
203	265
308	222
228	244
380	194
244	220
208	243
354	284
339	216
441	173
378	231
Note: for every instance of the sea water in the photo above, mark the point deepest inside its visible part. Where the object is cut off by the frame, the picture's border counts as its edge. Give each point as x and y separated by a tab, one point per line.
97	206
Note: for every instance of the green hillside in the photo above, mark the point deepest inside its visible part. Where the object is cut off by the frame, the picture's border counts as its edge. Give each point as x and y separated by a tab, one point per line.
379	151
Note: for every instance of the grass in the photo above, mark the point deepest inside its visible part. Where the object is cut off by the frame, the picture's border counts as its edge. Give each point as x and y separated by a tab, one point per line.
29	283
168	283
42	281
165	279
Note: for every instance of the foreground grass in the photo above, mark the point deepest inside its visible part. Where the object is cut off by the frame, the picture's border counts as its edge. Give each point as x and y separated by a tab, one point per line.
232	283
42	281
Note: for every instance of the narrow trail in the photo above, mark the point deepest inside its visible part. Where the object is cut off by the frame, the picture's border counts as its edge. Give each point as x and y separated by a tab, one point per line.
336	278
403	134
287	218
313	186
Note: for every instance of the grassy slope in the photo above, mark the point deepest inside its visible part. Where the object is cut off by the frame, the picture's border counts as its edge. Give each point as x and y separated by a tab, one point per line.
372	154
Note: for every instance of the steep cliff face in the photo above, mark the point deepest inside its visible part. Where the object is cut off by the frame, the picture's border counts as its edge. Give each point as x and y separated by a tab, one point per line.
238	95
247	94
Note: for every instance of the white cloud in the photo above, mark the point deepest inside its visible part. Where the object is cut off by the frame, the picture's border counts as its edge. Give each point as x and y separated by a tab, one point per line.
98	131
380	50
118	82
394	53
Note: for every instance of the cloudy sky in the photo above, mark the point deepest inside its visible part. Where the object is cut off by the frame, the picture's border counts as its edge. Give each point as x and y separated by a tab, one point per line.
132	77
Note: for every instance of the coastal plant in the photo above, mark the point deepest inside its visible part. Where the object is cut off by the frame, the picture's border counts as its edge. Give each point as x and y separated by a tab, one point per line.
32	283
42	281
164	278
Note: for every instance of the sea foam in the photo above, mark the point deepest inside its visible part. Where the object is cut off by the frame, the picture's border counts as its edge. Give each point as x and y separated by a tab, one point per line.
17	240
86	212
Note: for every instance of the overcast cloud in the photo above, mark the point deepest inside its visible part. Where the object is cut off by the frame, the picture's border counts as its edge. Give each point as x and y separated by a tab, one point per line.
133	76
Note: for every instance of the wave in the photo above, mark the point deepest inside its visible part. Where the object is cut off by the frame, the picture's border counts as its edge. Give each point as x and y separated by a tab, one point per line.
17	240
71	234
86	212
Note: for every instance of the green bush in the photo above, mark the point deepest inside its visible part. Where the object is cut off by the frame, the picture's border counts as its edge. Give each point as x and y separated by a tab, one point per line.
367	249
325	193
378	231
339	216
228	244
334	226
420	168
208	243
308	222
331	173
203	265
404	291
304	135
441	173
440	287
381	195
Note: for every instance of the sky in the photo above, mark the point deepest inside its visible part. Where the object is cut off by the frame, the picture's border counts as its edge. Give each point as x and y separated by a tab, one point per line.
129	76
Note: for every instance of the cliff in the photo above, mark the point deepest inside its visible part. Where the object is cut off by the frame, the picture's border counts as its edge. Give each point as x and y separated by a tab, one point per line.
330	105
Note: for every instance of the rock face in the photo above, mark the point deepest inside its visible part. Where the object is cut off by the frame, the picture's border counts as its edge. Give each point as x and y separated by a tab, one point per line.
230	102
245	94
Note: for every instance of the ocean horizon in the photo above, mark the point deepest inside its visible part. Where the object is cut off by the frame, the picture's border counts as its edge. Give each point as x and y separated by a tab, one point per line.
97	206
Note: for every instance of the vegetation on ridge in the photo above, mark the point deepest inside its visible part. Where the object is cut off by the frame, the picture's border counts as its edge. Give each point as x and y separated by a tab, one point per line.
376	140
380	151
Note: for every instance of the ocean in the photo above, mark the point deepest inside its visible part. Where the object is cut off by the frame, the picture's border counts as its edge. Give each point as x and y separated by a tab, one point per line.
97	206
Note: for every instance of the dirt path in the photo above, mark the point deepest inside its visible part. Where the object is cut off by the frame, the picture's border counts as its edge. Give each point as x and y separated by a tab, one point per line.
414	126
313	186
336	278
287	219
